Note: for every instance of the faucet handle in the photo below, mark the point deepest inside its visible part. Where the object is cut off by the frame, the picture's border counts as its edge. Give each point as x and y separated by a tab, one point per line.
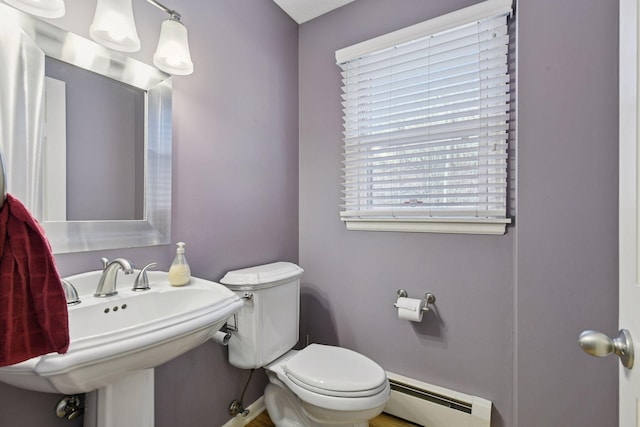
142	281
105	262
70	293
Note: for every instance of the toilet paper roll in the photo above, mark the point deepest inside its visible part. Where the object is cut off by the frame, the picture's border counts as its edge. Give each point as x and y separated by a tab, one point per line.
410	309
221	338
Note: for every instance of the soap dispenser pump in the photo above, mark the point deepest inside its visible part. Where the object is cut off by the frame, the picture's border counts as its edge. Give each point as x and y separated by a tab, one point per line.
179	273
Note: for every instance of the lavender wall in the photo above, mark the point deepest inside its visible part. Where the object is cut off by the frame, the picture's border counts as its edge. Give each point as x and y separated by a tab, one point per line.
509	308
235	198
566	252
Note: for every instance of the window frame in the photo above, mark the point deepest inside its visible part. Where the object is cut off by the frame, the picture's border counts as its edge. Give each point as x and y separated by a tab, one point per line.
434	224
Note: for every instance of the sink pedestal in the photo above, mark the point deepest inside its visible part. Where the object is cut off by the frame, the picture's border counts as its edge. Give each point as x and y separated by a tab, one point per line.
126	403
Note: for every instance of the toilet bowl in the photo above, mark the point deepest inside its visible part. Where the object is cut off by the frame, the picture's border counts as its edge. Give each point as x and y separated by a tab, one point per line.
331	386
317	386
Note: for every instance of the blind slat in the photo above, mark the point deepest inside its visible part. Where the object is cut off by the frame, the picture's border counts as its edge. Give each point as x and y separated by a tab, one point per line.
477	50
431	159
480	116
434	93
458	100
459	130
416	75
402	178
393	172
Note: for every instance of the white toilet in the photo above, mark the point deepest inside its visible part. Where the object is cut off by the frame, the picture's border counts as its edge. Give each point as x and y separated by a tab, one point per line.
318	386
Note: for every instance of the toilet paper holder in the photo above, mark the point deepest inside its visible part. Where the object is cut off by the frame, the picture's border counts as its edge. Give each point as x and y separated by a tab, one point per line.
428	299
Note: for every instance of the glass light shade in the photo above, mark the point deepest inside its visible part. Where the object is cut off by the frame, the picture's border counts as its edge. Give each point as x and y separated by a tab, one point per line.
43	8
113	26
172	54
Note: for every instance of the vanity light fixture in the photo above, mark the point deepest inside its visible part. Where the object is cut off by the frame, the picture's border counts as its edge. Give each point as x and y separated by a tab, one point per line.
172	54
43	8
114	26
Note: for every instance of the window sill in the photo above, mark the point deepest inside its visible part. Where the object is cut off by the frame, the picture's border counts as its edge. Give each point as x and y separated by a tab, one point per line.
431	225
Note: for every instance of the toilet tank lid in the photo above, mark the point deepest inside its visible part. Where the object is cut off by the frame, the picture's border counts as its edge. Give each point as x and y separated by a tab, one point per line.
262	275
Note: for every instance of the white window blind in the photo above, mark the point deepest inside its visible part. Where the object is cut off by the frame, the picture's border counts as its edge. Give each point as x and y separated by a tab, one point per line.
426	112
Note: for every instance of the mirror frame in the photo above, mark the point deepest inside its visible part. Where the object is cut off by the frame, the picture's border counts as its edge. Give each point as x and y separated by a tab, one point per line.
155	228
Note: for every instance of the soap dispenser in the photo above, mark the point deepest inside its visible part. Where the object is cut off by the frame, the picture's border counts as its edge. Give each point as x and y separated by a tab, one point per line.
179	273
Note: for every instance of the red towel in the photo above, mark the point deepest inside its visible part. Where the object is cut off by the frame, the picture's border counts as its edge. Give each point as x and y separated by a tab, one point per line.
33	308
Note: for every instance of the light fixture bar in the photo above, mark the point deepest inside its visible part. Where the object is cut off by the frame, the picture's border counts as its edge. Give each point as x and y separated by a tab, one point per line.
174	14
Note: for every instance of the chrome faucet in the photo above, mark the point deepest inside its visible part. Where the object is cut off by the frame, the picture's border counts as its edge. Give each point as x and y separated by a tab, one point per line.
107	285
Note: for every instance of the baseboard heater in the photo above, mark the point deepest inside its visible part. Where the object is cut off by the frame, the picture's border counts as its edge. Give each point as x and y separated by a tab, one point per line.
432	406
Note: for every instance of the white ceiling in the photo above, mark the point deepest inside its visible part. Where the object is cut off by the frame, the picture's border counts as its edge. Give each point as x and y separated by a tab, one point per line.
305	10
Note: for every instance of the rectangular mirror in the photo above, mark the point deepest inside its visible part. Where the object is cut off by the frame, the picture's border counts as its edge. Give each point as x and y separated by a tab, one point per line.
94	145
106	182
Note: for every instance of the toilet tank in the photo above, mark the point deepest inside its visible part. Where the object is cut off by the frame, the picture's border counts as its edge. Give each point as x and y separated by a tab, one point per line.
268	323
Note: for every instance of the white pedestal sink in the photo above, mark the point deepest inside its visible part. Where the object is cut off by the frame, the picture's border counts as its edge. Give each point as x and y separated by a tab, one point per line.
117	341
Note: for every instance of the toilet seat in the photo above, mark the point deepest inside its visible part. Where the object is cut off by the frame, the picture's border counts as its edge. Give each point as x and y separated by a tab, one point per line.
335	371
354	396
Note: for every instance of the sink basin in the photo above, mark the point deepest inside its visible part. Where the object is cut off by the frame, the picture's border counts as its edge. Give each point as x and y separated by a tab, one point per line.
114	336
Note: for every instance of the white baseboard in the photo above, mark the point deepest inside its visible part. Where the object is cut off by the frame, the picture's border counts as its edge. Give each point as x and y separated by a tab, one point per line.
255	409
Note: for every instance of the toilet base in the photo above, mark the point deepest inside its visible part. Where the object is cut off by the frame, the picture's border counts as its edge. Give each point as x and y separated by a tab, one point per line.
327	417
287	410
284	409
